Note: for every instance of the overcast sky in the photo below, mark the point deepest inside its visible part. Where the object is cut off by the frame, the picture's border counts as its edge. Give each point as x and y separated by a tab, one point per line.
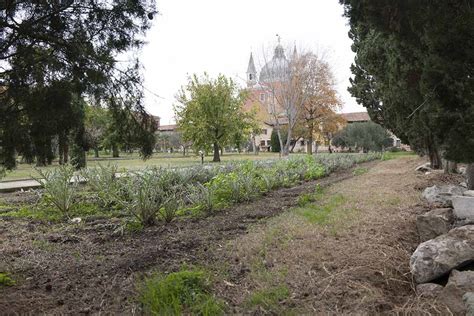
190	36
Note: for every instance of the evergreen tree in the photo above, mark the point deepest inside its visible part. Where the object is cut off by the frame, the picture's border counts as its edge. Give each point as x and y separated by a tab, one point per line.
66	49
413	71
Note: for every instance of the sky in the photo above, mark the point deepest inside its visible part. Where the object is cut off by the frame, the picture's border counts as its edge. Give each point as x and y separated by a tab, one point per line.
217	36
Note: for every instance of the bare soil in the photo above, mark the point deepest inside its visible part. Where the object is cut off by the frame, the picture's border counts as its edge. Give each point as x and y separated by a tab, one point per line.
94	267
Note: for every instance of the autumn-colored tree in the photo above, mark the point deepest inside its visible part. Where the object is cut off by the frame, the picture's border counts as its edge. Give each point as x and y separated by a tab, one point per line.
317	114
284	79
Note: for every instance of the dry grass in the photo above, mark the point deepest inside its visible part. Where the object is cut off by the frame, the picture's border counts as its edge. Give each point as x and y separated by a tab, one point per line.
353	261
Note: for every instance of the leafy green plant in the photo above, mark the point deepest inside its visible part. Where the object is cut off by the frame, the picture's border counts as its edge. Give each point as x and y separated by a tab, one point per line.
269	298
202	196
104	182
142	197
267	182
6	280
60	186
170	207
178	293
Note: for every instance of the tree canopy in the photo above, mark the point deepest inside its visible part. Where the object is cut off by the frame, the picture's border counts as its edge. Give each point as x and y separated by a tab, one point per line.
54	54
367	136
317	116
413	71
209	113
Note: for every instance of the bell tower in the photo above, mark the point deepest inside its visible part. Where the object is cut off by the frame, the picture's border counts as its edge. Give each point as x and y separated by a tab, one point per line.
251	73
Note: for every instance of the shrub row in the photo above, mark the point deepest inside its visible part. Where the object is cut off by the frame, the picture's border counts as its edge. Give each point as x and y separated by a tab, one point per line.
161	194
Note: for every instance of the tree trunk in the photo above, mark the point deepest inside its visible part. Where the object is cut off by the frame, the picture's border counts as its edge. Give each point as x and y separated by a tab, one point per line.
450	166
280	140
254	146
61	155
435	159
115	151
309	146
286	148
216	153
453	167
96	152
66	152
61	142
446	166
470	176
184	151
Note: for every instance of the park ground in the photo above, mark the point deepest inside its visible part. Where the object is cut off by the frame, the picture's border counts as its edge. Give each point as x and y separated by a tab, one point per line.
134	162
340	244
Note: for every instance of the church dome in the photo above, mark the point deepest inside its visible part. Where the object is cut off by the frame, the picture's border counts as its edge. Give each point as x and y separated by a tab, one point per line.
277	68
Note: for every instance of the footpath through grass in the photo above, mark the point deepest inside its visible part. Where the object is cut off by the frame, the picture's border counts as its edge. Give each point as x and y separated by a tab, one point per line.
342	250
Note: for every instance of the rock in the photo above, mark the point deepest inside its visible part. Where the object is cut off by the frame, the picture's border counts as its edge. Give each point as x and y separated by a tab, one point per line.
462	222
76	220
431	290
468	299
443	194
460	283
424	167
469	193
434	223
463	207
463	184
438	256
462	170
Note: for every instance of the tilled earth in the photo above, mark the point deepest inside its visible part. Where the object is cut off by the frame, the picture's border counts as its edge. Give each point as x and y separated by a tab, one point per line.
93	267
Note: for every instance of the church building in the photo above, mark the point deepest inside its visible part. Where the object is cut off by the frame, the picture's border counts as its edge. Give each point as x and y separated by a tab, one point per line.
262	101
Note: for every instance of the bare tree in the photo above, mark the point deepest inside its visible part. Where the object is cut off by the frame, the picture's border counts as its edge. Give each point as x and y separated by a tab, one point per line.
285	79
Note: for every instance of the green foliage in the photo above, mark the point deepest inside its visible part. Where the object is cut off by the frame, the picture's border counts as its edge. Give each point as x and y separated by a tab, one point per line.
234	187
142	196
203	197
104	183
151	192
97	119
133	226
320	214
178	293
6	280
72	62
60	187
170	207
275	140
210	113
394	155
413	71
45	212
367	136
359	171
269	298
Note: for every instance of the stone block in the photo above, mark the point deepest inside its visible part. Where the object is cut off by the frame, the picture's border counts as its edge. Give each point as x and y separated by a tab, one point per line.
434	223
463	207
437	257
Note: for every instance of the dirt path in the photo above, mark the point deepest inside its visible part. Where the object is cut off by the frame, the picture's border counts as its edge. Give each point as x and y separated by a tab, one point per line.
346	253
91	268
354	261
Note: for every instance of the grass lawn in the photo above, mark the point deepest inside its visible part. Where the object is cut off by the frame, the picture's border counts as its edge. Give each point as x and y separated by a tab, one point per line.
133	162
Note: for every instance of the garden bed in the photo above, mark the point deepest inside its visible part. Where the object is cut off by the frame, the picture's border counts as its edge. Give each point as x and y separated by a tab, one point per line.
96	265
